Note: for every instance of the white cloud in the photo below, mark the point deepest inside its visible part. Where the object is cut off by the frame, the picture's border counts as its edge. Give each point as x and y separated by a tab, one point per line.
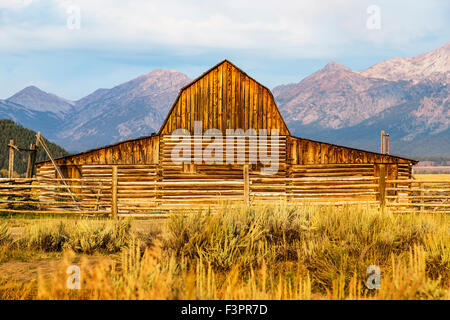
293	28
14	4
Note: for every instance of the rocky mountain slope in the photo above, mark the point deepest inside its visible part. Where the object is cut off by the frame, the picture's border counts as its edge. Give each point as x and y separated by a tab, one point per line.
409	97
415	68
129	110
29	118
36	99
132	109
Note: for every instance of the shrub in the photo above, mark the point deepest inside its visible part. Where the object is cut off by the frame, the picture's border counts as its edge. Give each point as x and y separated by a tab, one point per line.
81	236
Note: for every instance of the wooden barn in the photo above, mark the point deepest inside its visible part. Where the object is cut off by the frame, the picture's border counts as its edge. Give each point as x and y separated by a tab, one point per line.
143	174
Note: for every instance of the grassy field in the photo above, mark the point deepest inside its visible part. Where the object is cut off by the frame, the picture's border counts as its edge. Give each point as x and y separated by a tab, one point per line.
261	252
432	176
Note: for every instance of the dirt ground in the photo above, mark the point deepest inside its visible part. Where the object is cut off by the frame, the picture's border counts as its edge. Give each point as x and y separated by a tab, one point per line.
47	263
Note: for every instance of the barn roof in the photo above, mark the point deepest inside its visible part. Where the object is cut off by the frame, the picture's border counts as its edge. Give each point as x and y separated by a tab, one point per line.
224	97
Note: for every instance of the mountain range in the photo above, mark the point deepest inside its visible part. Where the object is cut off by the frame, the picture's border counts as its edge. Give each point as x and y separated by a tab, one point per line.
407	97
129	110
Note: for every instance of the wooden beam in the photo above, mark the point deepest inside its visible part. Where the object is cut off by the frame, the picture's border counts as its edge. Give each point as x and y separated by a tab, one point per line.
382	141
44	145
31	159
387	143
422	199
246	185
382	187
114	192
11	159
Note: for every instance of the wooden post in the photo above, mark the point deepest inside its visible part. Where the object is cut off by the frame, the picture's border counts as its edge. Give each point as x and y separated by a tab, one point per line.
114	192
387	143
246	185
422	199
38	139
382	141
31	157
11	159
382	187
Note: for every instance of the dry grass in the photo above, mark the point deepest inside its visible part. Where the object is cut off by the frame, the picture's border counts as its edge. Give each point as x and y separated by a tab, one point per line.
433	176
262	252
81	236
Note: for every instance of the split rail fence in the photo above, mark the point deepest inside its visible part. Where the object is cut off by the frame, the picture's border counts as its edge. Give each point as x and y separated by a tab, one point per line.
123	190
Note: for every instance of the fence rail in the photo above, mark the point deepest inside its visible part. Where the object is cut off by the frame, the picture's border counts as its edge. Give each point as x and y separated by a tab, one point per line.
418	195
118	195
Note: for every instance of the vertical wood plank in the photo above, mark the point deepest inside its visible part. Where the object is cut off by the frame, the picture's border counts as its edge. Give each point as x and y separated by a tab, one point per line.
264	109
114	192
246	185
31	160
250	104
245	101
259	107
11	159
422	200
212	112
387	143
220	104
382	187
215	99
234	123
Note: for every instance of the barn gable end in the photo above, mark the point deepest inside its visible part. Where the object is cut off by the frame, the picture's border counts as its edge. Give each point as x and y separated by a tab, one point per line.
223	98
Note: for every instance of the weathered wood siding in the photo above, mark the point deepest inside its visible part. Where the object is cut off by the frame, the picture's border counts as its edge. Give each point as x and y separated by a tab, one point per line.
137	151
225	98
136	185
194	184
304	151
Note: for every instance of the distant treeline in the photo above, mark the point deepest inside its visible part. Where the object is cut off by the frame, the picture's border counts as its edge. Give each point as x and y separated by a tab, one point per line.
437	160
23	137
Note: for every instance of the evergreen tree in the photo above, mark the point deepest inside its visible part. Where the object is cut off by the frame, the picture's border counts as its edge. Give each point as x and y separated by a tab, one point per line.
22	137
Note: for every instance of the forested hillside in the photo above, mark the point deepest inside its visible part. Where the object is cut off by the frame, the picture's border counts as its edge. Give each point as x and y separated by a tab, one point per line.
23	137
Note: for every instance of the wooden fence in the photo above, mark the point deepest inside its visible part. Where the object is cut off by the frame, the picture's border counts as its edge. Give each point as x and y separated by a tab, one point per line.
123	190
418	195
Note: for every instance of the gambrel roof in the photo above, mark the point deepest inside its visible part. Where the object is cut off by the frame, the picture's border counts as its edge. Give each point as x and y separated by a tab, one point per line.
225	97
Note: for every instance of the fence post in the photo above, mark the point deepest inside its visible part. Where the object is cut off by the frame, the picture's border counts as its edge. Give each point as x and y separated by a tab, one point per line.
114	192
382	187
246	185
422	200
11	159
31	160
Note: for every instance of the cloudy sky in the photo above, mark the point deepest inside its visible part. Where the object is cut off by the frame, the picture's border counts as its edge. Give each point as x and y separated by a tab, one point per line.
72	47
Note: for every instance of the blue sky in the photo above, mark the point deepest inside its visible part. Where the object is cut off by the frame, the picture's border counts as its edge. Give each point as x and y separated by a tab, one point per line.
276	42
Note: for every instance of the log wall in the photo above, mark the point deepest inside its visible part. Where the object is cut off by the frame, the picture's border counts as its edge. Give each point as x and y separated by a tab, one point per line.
307	171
